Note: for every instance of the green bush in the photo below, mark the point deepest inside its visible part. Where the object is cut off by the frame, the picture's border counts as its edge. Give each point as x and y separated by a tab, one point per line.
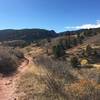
58	51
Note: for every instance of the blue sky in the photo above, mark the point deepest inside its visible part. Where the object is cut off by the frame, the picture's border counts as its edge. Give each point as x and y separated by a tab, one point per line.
59	15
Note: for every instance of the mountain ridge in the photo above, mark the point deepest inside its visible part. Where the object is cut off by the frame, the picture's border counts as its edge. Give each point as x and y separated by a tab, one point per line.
37	34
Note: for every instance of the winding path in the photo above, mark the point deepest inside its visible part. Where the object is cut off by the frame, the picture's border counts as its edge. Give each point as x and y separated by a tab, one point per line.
7	84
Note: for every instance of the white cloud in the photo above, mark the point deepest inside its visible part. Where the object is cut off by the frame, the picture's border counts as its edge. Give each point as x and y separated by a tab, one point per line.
85	26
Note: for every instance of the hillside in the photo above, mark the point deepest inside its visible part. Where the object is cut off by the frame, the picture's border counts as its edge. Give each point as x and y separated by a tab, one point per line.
41	75
49	78
26	34
87	31
30	35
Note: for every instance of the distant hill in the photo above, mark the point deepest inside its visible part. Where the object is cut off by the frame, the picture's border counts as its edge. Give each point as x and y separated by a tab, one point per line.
30	35
26	34
87	31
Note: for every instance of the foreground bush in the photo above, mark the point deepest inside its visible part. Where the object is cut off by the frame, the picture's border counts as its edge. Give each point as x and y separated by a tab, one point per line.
7	65
9	60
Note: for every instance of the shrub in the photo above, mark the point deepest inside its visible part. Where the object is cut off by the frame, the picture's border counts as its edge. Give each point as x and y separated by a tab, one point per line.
75	42
18	53
88	50
58	51
9	60
75	62
7	64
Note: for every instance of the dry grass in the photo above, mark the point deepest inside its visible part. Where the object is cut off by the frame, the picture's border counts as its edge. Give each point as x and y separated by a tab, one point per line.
49	79
84	90
37	87
43	81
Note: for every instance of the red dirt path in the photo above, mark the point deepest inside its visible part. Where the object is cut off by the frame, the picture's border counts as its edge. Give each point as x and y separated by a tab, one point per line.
7	84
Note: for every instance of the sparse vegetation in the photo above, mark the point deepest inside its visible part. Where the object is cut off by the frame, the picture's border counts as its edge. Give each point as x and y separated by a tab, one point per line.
56	82
63	77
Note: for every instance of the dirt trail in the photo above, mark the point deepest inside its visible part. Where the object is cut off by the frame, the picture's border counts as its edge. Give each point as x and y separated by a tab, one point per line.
7	84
